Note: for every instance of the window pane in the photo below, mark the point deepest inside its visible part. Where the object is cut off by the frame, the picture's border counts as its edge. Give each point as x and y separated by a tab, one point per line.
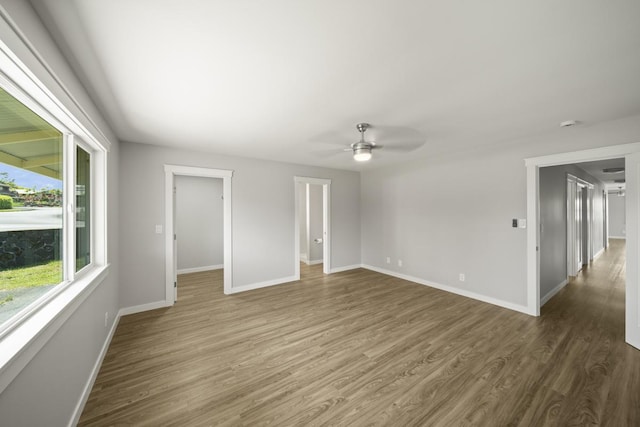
83	179
30	206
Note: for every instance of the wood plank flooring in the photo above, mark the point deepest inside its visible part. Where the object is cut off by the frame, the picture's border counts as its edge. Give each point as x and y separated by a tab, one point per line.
361	348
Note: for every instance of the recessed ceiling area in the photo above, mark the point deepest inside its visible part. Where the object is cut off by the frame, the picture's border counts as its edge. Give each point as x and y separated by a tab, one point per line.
270	79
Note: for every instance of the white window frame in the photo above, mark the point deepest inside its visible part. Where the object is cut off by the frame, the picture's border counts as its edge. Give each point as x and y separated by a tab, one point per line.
23	336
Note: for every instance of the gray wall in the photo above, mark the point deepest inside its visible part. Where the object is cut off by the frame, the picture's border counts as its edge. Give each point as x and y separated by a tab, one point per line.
315	221
553	219
451	213
617	222
48	389
263	217
199	222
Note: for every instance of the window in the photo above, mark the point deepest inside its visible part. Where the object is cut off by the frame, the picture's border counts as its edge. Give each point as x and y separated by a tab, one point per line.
40	165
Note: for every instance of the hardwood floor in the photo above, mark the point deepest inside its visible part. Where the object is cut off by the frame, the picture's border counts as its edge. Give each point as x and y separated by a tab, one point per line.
361	348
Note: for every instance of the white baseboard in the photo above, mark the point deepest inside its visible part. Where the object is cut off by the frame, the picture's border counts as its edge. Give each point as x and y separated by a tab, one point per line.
252	286
505	304
554	291
303	258
94	374
618	237
317	261
346	268
200	269
143	307
600	252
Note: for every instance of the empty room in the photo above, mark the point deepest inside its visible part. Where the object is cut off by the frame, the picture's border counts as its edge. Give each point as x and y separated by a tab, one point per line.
319	213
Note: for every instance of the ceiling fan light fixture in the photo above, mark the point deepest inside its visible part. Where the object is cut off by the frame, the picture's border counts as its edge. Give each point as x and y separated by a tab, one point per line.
362	154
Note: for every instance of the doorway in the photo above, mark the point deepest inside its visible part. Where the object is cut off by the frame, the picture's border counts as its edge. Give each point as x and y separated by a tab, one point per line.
579	223
198	225
631	154
171	264
312	223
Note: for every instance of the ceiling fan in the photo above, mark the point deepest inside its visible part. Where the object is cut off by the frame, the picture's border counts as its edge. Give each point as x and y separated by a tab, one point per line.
397	139
362	149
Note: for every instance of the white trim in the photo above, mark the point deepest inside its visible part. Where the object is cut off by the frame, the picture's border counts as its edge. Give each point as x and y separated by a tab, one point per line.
346	268
264	284
200	269
597	255
21	345
552	292
170	265
618	237
314	262
86	392
451	289
303	258
143	307
326	222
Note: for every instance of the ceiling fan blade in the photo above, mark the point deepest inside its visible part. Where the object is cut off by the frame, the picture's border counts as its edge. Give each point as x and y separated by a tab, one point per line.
397	138
328	152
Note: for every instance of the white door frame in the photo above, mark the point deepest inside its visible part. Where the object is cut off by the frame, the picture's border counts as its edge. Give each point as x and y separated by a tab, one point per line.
170	261
575	251
533	165
326	222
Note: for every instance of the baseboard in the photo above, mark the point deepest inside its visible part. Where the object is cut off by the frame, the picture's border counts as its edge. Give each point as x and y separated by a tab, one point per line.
505	304
554	291
600	252
200	269
303	258
345	268
315	262
252	286
618	237
94	374
143	307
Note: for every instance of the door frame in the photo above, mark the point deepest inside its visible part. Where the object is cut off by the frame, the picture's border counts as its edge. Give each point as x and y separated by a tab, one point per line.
573	184
533	165
326	222
170	258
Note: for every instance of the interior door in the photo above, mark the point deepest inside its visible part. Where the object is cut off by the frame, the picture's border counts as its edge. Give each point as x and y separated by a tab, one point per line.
632	321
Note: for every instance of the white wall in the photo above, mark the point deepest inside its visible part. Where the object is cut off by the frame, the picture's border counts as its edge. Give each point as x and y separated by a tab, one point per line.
199	223
450	214
263	217
617	221
48	389
553	219
315	222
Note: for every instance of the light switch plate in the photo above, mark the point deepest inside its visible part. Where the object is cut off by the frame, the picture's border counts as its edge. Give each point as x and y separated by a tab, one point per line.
522	223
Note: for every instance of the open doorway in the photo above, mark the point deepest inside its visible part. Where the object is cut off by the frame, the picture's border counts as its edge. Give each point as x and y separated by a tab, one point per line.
629	261
199	231
312	226
172	172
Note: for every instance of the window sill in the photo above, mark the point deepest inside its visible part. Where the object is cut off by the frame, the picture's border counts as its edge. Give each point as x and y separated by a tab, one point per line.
20	345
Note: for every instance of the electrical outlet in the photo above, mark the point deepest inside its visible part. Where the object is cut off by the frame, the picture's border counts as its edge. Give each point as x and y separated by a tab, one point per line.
158	229
399	263
388	260
106	319
461	277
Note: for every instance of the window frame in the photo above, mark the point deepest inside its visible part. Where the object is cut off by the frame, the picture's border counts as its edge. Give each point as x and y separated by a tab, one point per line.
22	336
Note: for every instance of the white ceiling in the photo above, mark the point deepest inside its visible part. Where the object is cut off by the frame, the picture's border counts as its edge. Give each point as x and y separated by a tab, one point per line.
289	80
